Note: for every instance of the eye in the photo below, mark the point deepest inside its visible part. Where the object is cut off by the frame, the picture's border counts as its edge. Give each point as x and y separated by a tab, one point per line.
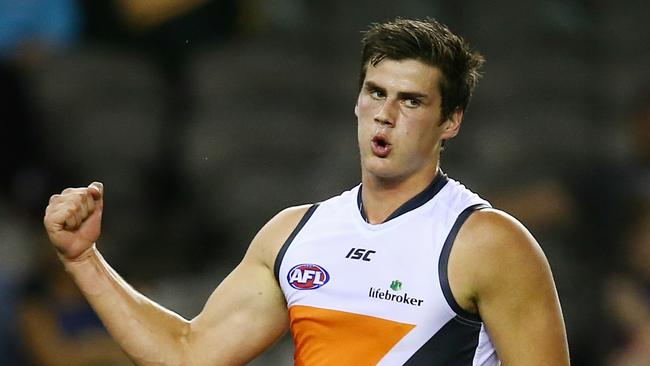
412	102
376	94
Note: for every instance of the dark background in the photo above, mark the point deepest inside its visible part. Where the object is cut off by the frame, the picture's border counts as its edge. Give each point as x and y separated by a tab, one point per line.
204	121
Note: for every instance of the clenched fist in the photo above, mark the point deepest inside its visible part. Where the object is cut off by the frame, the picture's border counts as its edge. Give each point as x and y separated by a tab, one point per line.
73	219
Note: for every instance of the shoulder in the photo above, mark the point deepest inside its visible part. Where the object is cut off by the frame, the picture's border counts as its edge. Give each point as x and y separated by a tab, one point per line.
494	253
496	231
289	215
268	241
492	238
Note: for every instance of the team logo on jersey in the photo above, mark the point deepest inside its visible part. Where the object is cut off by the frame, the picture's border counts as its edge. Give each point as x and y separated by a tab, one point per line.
395	285
307	277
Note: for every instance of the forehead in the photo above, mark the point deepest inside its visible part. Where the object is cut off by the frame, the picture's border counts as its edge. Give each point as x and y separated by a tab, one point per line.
405	75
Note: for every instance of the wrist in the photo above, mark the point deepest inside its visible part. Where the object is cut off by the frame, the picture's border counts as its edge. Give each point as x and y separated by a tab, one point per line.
88	271
83	257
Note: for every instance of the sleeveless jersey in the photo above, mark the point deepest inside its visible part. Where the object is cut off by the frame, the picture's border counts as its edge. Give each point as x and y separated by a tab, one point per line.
364	294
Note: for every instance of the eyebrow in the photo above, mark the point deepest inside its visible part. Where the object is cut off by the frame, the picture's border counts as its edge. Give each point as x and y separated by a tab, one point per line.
369	85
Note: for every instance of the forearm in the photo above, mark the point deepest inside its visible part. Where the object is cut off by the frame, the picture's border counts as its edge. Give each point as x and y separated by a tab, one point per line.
147	332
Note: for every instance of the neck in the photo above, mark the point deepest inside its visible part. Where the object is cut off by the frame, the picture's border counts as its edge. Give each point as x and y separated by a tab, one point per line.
383	196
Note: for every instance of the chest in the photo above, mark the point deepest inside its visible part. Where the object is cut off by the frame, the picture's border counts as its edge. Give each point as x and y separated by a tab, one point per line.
391	273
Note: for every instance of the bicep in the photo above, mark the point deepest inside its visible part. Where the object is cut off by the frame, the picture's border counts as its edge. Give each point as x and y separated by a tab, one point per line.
247	312
523	317
244	315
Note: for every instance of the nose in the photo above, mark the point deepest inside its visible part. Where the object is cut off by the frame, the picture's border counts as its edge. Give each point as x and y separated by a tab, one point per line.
387	113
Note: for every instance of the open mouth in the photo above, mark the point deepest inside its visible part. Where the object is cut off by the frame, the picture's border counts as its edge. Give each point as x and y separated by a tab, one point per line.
380	146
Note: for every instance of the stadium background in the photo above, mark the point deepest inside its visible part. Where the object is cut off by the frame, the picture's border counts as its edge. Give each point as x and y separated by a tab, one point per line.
203	118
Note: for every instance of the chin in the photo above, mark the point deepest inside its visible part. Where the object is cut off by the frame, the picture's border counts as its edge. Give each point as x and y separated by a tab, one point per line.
382	168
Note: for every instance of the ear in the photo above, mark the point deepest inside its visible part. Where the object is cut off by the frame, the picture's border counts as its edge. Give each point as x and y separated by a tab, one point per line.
356	108
452	125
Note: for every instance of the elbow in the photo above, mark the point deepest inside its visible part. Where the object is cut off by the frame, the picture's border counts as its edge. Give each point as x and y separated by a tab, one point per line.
167	348
196	349
183	340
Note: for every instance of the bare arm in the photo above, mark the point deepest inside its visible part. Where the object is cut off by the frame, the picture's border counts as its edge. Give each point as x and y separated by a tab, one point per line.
498	270
244	315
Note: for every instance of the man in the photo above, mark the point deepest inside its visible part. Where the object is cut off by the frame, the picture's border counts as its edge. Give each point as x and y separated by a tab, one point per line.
410	267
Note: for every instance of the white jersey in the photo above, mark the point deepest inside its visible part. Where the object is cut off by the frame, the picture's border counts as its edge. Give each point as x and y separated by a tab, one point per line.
363	294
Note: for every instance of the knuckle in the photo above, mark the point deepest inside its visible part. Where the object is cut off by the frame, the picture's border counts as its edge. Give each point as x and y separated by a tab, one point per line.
73	199
78	199
85	197
73	191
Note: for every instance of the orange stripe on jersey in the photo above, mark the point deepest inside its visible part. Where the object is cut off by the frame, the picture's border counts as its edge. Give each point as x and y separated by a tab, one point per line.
331	337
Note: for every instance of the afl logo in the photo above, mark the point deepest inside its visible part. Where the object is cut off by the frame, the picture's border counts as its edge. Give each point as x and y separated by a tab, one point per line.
307	277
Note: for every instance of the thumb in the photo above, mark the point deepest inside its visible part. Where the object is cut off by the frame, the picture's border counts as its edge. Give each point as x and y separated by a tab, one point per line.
96	190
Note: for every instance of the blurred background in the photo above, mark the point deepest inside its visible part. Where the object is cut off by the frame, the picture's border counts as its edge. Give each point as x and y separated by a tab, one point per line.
203	118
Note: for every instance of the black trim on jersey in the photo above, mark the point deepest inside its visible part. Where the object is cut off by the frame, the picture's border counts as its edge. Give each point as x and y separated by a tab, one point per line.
454	344
418	200
285	246
443	263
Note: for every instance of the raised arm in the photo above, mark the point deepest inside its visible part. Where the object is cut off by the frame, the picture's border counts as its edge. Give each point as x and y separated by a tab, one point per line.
497	269
244	315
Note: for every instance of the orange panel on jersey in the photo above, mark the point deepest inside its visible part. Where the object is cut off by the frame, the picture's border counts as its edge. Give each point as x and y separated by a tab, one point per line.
330	337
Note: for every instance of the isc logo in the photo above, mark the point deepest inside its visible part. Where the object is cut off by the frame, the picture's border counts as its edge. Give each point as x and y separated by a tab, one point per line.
307	276
360	253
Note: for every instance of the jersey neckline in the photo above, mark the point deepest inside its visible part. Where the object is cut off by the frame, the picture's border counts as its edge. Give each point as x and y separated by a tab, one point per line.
416	201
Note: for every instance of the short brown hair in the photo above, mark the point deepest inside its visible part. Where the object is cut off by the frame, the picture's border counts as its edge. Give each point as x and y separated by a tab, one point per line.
434	44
